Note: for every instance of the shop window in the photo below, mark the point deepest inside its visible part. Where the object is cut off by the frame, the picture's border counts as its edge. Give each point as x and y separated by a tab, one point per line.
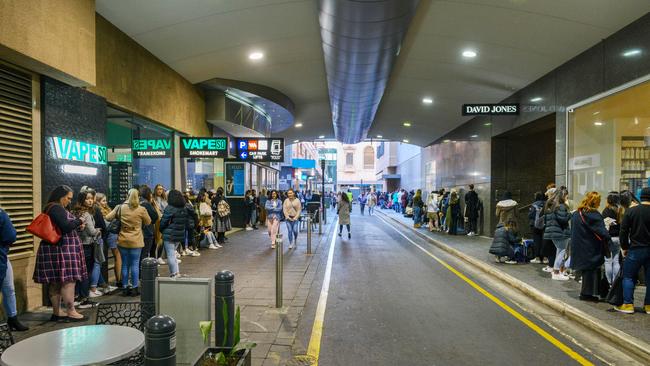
609	144
368	158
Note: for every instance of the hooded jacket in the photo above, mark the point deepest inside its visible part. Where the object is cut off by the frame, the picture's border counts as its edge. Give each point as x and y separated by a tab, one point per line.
503	242
556	223
174	222
506	210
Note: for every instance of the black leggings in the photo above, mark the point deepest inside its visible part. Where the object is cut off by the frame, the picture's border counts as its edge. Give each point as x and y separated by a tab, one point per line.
347	226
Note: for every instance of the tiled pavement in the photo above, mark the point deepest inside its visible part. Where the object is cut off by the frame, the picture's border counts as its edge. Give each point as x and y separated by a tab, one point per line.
637	325
249	256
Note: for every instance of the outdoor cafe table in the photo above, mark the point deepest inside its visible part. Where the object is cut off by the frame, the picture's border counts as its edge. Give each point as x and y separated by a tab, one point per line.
83	345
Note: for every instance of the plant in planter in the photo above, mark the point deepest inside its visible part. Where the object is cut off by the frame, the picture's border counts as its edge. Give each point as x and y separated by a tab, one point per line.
238	355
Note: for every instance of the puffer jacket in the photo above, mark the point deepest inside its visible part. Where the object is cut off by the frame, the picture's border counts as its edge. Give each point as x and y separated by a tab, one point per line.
506	210
556	223
503	242
174	222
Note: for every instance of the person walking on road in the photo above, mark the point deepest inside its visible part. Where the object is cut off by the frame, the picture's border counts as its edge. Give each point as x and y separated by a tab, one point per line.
345	207
291	208
556	229
173	225
635	242
372	202
273	207
471	211
363	200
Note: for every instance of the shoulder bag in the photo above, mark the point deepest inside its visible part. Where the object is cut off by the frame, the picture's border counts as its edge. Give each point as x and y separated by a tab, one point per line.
116	225
44	228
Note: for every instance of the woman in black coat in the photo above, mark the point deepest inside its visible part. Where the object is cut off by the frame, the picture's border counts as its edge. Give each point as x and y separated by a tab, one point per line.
588	236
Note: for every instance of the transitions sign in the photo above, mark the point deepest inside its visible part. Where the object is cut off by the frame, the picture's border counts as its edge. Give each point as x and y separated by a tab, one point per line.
151	148
208	147
68	149
270	150
490	109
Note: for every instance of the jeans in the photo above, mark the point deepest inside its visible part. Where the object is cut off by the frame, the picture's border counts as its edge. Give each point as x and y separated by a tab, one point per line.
292	228
130	263
363	208
9	292
370	208
636	257
170	248
612	265
472	225
417	213
96	275
83	286
560	249
273	226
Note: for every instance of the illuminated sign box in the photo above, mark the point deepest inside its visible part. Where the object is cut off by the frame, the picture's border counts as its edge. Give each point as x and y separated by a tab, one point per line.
511	109
262	150
151	148
69	149
203	147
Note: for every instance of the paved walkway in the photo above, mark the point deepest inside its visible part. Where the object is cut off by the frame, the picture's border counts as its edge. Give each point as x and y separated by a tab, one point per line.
637	325
249	256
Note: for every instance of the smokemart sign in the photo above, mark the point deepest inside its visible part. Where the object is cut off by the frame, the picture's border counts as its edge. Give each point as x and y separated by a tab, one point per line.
151	148
490	109
197	147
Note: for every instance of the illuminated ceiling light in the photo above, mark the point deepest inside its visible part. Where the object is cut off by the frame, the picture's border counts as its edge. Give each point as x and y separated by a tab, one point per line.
599	172
636	121
453	141
406	141
598	123
632	52
298	125
79	169
474	136
321	136
427	100
446	141
380	136
469	53
487	124
475	174
406	124
255	56
296	141
597	112
537	99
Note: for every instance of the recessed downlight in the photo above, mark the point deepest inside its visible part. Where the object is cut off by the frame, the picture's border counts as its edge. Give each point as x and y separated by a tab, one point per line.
598	123
406	141
298	125
406	124
427	100
296	141
380	136
474	136
255	55
632	52
487	124
537	99
469	54
446	141
321	136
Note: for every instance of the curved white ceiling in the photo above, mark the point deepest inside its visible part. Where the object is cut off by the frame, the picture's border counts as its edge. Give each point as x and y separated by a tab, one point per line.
517	42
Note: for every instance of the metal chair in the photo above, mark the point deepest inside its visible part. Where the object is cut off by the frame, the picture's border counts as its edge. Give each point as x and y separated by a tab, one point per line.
6	338
127	314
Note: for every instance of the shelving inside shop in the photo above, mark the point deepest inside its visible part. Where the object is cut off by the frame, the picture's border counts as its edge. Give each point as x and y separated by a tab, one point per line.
635	162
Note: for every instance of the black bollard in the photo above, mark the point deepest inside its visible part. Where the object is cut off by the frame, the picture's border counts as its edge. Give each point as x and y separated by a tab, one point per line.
148	272
160	341
224	301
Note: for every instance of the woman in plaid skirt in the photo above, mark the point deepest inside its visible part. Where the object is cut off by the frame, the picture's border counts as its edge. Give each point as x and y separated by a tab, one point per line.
60	265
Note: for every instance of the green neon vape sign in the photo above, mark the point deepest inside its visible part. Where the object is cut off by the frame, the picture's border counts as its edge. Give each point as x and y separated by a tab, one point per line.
69	149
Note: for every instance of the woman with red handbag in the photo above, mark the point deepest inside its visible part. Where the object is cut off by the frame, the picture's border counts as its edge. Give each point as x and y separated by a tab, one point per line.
59	265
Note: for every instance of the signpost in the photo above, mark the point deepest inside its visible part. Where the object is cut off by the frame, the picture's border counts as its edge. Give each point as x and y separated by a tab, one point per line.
204	147
151	148
260	150
322	196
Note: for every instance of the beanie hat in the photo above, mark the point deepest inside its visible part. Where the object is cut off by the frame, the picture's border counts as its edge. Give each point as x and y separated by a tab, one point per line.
645	194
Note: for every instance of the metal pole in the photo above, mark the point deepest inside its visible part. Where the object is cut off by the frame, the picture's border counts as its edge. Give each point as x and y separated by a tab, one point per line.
308	233
149	272
160	341
279	263
322	197
224	300
320	219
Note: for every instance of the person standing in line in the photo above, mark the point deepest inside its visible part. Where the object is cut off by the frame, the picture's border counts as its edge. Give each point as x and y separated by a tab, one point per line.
111	239
471	210
372	202
222	216
404	201
417	209
453	212
345	207
444	207
432	210
362	202
60	265
147	201
635	242
160	196
206	222
273	208
8	237
291	208
248	203
173	225
588	238
612	215
254	208
130	241
556	229
506	208
84	210
264	196
536	223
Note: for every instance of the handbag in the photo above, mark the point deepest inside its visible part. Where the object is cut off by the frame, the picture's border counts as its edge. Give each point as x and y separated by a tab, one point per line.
116	225
98	251
604	246
43	227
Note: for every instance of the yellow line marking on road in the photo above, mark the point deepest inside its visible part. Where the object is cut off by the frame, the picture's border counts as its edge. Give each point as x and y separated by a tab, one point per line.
564	348
313	350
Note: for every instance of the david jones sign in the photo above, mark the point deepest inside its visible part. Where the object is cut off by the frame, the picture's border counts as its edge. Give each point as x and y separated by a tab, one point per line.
490	109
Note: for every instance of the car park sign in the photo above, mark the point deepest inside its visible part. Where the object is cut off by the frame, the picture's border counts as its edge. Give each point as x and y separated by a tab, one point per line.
263	150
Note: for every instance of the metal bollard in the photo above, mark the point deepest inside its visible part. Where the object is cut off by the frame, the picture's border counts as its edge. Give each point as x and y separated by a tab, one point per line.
149	272
308	233
160	341
279	264
224	300
320	221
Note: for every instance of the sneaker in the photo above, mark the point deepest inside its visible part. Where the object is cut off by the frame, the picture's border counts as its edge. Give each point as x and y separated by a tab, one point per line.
212	246
185	252
87	304
340	234
290	245
536	261
194	253
547	269
177	255
627	308
647	309
248	228
545	261
510	261
95	293
179	261
219	245
560	277
161	261
497	259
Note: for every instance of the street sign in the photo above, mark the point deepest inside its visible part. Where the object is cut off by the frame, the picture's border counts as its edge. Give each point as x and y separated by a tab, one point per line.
263	150
203	147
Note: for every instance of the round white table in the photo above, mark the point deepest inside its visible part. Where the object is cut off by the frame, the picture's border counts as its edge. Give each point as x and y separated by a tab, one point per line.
83	345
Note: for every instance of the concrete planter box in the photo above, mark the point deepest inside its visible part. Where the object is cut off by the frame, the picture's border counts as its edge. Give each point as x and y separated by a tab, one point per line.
244	357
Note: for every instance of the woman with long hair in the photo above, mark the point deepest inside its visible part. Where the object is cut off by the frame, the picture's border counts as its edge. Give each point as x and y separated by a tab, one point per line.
84	209
417	208
556	229
291	208
160	203
273	208
453	212
173	225
432	211
130	240
343	210
612	214
221	210
206	220
111	239
589	239
148	231
61	264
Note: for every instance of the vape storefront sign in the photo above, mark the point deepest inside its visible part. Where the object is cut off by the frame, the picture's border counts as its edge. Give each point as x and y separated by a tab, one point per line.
203	147
151	148
490	109
68	149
